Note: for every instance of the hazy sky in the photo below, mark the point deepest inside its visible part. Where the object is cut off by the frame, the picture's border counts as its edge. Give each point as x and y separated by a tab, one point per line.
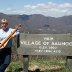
54	8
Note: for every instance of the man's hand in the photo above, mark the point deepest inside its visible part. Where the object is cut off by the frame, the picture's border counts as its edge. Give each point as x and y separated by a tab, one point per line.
16	33
13	34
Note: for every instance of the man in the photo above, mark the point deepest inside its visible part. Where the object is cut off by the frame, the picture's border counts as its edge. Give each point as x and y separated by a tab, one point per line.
5	53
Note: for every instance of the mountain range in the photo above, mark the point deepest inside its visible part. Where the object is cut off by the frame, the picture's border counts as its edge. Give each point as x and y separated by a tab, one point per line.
37	23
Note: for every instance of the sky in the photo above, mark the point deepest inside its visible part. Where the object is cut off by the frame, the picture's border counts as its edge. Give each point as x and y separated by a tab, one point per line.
53	8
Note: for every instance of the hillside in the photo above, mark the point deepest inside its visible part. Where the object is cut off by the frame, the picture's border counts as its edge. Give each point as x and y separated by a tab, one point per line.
37	23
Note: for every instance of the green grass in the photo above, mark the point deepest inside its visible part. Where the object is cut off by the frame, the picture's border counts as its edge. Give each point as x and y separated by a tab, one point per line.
48	62
16	65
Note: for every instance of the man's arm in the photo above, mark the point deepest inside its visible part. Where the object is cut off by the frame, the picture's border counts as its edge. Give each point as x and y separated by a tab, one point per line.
16	33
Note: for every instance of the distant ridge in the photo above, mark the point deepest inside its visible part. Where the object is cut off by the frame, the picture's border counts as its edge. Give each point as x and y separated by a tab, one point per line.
38	23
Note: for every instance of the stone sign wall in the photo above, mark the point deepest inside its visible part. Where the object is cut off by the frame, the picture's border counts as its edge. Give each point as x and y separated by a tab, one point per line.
45	44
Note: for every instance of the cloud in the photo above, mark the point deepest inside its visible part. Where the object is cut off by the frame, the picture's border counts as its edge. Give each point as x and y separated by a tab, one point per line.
47	9
8	9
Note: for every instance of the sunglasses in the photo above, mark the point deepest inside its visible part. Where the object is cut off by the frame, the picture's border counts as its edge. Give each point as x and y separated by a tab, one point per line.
4	23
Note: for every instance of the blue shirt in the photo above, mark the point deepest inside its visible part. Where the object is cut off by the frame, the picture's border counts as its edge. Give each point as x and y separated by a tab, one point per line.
4	34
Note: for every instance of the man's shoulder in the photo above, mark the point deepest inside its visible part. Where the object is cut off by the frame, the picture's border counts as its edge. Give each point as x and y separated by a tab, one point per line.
10	29
0	30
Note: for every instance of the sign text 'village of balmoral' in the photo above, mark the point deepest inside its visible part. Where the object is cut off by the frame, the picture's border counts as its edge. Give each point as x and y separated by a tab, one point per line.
45	44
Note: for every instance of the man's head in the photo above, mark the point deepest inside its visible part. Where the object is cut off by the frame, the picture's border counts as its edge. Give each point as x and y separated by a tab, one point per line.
4	23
